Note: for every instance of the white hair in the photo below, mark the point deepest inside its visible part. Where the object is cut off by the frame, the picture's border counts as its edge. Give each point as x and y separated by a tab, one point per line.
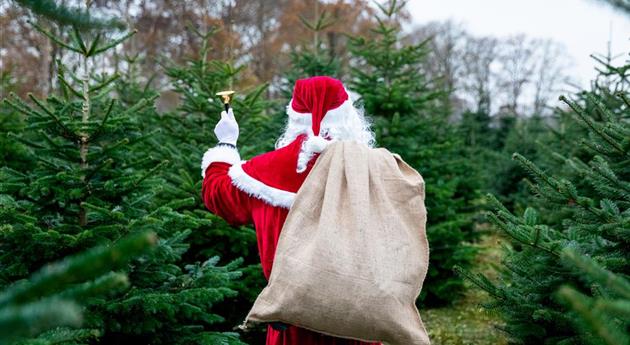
344	123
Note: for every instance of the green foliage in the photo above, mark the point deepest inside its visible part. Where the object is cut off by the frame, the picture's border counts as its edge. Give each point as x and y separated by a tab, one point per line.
10	121
622	5
493	139
188	132
197	83
64	15
48	298
92	180
311	60
185	134
410	119
581	209
95	162
504	176
394	84
603	319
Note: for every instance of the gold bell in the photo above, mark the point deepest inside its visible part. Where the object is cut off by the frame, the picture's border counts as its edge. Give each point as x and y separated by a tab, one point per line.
226	96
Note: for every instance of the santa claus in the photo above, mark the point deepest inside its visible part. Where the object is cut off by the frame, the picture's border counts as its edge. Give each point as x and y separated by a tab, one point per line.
260	191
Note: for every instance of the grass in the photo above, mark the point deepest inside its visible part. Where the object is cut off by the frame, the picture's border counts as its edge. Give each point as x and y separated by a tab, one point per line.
466	322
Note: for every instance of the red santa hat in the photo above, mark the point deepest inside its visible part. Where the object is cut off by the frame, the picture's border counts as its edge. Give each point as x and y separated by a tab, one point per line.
316	96
315	101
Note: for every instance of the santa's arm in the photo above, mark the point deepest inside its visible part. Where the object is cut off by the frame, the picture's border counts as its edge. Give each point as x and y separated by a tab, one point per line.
219	195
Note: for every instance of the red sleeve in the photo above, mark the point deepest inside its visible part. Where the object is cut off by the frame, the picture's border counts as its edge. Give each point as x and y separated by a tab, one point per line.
222	198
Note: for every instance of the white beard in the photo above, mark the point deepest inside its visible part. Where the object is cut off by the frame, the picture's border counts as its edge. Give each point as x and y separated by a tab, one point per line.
344	123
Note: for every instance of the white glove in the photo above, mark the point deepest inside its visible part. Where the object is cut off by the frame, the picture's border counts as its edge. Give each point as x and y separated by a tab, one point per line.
226	129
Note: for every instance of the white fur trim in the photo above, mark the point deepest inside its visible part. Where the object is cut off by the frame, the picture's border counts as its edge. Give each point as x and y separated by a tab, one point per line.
251	186
310	146
331	118
342	123
299	119
221	153
316	144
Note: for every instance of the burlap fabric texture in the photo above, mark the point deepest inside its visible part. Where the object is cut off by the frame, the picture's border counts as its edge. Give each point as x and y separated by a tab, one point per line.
353	252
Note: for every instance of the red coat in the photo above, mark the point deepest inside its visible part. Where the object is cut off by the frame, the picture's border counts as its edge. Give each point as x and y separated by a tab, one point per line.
260	191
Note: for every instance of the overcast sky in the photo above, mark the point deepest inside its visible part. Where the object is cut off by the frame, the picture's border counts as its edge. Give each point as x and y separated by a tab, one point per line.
583	26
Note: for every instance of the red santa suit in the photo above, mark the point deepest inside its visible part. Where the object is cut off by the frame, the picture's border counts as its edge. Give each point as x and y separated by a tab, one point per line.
261	190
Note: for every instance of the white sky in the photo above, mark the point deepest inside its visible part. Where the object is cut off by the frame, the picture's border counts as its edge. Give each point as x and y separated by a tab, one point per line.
583	26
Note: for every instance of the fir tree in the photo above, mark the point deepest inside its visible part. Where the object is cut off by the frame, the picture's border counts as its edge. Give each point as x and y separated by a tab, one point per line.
504	175
602	319
312	59
186	134
409	119
63	15
309	59
93	180
49	299
10	121
581	210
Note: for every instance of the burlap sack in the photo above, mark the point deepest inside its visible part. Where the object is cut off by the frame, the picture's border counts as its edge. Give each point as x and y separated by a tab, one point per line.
353	253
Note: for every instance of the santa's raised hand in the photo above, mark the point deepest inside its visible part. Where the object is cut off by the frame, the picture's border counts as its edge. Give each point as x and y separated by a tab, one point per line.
226	129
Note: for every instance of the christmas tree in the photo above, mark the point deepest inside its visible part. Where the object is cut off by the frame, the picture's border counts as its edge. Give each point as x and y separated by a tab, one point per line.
574	237
92	180
187	132
602	319
410	119
40	307
63	15
10	121
312	58
309	59
504	176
